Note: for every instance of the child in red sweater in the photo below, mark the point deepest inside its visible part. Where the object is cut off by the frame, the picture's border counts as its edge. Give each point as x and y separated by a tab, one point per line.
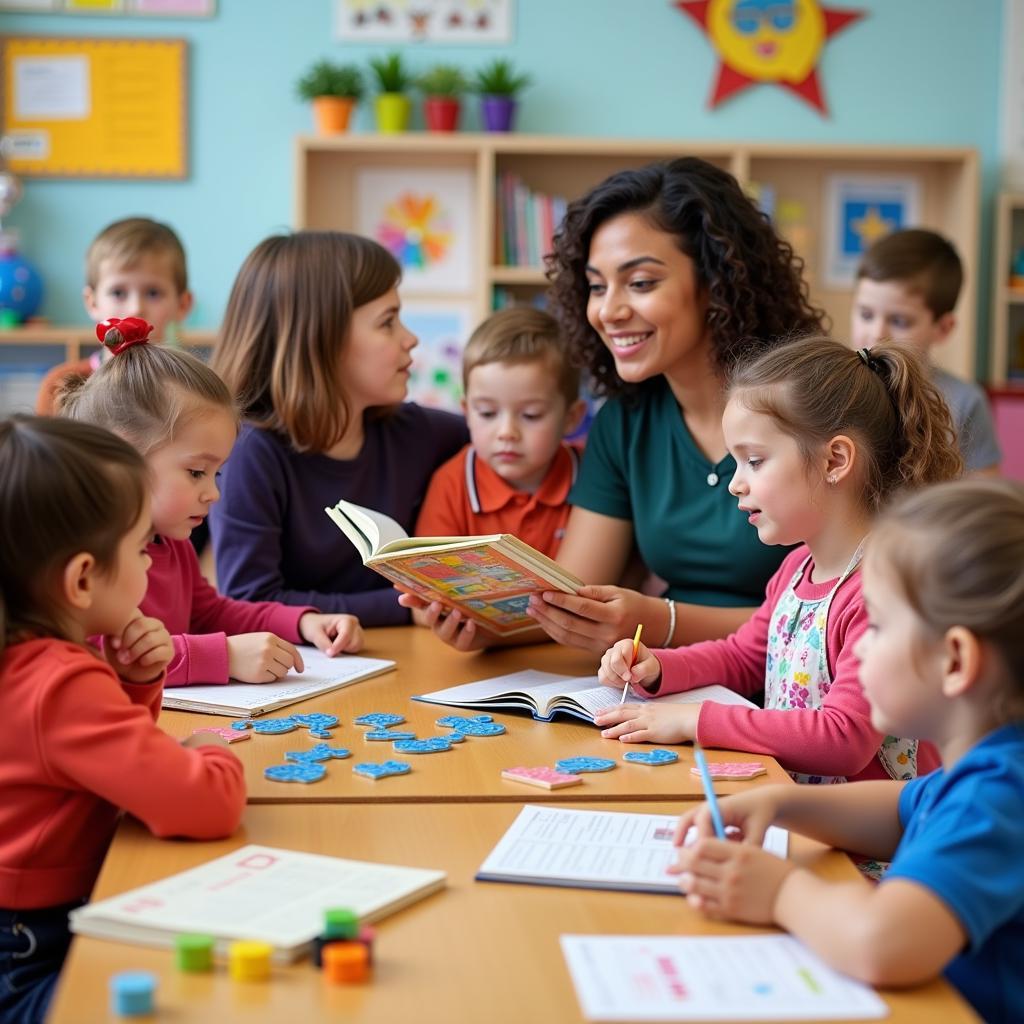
822	436
179	414
78	733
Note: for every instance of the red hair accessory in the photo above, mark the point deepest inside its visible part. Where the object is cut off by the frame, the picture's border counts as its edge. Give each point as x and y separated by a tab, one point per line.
119	333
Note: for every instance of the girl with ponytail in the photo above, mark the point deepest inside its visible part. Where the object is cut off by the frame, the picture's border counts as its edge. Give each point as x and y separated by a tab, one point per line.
822	436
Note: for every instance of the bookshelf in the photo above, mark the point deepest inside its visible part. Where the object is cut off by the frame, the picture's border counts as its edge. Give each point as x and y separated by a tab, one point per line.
1007	354
797	175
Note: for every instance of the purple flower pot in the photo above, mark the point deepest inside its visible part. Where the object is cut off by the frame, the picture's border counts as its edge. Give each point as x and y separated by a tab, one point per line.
498	113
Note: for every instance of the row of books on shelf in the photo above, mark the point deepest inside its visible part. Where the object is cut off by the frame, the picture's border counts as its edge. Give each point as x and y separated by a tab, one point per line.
526	222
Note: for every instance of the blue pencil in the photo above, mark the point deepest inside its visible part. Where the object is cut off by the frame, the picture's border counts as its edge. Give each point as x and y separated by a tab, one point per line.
709	791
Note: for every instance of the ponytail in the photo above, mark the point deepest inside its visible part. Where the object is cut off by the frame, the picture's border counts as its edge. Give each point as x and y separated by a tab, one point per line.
816	388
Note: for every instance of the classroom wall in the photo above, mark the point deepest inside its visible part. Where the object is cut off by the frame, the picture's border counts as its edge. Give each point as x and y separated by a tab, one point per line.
911	72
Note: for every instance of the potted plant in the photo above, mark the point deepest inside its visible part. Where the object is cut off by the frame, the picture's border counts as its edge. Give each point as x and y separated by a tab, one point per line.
334	90
392	104
442	86
499	86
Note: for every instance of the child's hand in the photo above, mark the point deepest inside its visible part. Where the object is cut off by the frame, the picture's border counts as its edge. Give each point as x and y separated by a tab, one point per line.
261	658
649	723
751	813
448	624
733	881
142	652
332	633
615	670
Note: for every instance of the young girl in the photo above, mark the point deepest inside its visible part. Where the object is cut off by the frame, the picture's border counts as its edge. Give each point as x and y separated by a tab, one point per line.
821	435
78	734
313	346
179	415
943	659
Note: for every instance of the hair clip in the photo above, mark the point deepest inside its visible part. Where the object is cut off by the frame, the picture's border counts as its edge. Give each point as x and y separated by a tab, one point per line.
868	359
119	333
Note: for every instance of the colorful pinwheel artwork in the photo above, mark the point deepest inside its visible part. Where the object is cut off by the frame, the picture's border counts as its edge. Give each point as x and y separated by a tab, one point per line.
416	230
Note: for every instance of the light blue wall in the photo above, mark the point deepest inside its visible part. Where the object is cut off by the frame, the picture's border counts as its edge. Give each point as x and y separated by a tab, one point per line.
912	71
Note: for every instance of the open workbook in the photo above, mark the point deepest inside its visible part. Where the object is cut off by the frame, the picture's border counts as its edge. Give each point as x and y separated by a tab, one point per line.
545	694
247	700
557	846
488	578
256	892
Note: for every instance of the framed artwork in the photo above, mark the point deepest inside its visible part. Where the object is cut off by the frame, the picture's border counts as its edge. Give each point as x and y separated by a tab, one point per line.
860	209
159	8
443	329
66	115
486	22
424	218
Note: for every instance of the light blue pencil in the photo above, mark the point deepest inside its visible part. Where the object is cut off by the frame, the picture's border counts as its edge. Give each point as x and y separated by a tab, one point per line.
709	790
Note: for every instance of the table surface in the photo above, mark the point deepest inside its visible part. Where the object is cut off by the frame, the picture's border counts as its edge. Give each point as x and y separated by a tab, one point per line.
475	951
471	771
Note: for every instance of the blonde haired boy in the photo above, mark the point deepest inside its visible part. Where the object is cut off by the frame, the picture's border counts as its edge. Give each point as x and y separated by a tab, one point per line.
134	267
521	400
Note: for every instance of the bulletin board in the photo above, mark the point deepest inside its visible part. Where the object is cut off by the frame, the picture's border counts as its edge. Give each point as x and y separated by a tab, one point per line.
95	108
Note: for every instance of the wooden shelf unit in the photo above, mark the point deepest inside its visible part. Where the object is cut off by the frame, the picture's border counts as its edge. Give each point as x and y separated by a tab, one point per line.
326	169
78	342
1007	353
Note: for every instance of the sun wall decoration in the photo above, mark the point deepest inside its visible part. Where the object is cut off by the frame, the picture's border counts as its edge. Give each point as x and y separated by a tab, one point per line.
774	41
416	230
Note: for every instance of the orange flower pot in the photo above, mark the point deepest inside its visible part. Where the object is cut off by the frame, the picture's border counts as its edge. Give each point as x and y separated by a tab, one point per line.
332	113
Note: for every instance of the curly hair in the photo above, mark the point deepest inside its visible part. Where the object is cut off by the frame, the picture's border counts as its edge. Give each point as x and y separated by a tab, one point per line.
753	280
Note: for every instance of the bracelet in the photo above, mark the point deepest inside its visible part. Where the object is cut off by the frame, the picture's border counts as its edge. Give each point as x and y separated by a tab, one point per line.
671	622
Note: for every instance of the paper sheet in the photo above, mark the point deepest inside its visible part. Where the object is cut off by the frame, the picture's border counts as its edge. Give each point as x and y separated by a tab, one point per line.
676	978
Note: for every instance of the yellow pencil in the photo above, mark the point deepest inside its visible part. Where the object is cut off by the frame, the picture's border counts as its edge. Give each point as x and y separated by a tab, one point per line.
632	661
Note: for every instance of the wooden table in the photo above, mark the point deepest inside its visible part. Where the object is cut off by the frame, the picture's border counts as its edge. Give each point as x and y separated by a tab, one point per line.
471	771
474	952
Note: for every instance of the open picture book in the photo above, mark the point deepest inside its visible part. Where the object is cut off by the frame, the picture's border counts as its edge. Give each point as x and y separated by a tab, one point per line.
256	892
546	694
488	578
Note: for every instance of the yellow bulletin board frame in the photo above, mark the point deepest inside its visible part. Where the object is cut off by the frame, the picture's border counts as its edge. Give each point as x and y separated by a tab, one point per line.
95	108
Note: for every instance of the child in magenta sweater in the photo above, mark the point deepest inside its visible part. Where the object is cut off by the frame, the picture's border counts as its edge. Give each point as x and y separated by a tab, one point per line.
179	415
78	733
822	435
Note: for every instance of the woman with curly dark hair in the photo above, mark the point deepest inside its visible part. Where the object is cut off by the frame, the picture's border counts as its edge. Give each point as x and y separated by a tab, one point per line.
663	278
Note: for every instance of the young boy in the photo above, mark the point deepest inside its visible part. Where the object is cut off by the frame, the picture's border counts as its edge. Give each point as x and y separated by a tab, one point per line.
134	267
521	399
907	287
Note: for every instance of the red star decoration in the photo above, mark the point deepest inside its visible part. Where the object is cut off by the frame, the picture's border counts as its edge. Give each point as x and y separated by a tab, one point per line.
731	81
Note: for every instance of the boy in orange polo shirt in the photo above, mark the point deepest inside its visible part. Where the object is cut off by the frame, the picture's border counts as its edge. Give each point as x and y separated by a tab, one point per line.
521	400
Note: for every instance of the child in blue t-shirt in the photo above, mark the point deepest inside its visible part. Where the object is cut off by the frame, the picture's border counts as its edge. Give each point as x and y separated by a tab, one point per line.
943	659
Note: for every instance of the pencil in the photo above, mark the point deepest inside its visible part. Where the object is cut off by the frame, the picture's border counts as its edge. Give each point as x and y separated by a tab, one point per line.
632	661
709	790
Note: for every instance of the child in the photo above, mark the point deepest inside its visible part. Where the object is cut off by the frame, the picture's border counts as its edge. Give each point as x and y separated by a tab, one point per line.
521	399
313	345
78	733
907	287
821	435
179	415
134	267
943	659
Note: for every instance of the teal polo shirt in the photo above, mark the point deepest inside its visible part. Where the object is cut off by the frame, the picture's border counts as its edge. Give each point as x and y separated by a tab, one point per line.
641	463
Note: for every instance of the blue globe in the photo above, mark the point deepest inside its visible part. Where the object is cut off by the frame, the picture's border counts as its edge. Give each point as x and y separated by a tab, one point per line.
21	287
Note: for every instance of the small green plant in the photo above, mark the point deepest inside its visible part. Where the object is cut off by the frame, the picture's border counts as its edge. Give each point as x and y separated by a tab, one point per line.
499	78
392	74
327	79
443	80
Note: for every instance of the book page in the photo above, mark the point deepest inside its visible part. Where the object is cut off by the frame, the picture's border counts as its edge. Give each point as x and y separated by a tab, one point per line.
710	978
321	675
594	849
257	892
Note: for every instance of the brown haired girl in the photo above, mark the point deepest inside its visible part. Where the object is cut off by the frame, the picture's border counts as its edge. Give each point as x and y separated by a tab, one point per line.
313	346
78	733
662	278
180	417
821	436
943	659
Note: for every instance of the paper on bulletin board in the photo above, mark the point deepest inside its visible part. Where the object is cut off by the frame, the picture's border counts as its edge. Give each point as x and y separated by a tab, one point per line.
94	108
